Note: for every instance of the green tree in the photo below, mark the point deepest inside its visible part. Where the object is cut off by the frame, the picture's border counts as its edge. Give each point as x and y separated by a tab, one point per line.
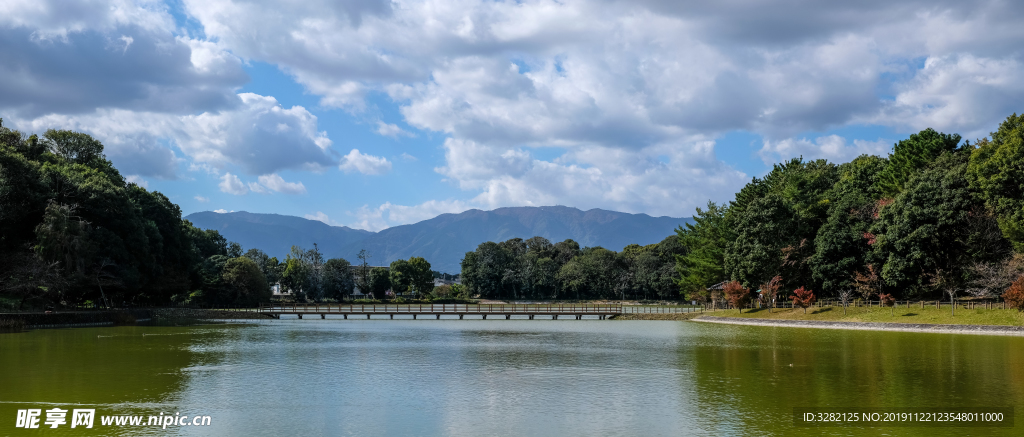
911	155
244	282
338	279
996	170
705	241
380	282
420	278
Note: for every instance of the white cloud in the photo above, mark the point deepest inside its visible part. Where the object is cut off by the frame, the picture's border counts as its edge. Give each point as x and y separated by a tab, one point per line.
389	214
365	164
276	183
832	147
202	199
231	184
321	217
259	135
391	130
221	211
137	180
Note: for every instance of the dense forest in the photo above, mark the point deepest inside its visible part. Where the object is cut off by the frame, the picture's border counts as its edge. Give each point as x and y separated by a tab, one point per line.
937	217
537	269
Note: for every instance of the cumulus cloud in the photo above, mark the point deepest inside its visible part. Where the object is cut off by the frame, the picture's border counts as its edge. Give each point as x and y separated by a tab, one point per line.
388	214
832	147
259	136
365	164
231	184
276	183
391	130
137	180
202	199
321	217
221	211
74	56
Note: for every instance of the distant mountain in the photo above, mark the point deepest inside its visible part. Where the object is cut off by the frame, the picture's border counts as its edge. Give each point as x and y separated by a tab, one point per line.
445	239
276	234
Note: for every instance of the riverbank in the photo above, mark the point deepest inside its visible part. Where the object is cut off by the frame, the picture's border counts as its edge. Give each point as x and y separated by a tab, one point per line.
1017	331
657	316
902	315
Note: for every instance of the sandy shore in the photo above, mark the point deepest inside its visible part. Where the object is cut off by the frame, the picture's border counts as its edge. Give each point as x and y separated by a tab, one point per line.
866	326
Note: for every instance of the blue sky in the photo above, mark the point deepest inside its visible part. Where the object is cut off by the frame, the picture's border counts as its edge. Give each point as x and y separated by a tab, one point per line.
374	113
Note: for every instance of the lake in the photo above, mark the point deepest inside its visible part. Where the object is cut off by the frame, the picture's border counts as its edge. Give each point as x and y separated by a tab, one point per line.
500	377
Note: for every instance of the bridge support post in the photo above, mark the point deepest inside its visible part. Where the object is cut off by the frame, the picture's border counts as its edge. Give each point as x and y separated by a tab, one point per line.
438	316
414	317
323	316
531	316
460	316
485	316
555	317
300	316
392	316
346	316
508	316
367	317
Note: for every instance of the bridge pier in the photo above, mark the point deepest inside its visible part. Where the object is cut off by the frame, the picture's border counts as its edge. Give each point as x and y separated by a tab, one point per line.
485	316
555	317
531	316
346	316
300	316
438	316
508	316
323	316
392	316
460	316
367	317
414	317
579	317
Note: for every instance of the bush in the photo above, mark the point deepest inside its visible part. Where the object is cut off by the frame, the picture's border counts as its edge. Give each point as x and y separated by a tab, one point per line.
803	298
737	294
1014	296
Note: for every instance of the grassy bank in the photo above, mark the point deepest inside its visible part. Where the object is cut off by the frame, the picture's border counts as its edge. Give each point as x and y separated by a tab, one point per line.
883	315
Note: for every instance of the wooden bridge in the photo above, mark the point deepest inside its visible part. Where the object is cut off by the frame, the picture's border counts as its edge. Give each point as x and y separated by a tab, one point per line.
437	310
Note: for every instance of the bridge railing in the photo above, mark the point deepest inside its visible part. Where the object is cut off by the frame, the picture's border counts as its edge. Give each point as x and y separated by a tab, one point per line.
441	308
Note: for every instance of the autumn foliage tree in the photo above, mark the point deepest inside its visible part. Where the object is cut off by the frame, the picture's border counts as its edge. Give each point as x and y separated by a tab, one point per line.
737	294
1014	296
803	298
770	291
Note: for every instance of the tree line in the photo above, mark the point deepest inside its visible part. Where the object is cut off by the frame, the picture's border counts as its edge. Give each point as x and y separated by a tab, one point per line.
74	231
937	217
537	269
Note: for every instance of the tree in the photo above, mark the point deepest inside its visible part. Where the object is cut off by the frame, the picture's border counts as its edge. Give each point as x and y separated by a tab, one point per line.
868	283
294	276
380	282
845	295
770	291
703	263
234	250
992	278
363	281
247	285
75	147
737	294
338	279
912	154
420	278
1014	295
803	298
996	170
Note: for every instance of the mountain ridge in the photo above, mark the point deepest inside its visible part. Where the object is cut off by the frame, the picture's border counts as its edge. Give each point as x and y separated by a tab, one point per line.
443	240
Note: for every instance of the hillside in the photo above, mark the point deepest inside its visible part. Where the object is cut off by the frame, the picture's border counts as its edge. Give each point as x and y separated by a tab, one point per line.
442	240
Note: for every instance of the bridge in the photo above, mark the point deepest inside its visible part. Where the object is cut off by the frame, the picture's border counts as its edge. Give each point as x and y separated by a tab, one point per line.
602	311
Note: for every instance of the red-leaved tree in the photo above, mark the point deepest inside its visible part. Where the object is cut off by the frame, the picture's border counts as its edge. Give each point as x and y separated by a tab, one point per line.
737	295
771	290
1014	296
888	301
803	298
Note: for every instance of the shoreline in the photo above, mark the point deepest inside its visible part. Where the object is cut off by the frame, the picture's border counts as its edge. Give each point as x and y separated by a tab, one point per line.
1014	331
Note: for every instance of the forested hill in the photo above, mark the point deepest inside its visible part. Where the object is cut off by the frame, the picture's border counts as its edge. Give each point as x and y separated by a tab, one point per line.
445	239
276	234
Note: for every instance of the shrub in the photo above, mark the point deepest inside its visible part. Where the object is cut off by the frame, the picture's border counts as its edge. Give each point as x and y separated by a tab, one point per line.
888	301
1014	296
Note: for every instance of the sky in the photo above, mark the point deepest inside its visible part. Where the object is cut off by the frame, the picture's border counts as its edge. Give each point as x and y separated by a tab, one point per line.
375	113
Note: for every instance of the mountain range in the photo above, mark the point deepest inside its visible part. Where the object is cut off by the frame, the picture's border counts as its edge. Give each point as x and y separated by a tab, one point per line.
442	240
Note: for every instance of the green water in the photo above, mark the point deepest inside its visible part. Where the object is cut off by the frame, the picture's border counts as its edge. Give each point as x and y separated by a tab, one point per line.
500	378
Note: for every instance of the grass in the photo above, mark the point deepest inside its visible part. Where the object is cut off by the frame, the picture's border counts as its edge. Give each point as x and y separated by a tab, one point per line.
928	315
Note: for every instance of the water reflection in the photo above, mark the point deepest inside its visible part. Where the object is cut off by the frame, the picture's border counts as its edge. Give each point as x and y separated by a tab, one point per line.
382	377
